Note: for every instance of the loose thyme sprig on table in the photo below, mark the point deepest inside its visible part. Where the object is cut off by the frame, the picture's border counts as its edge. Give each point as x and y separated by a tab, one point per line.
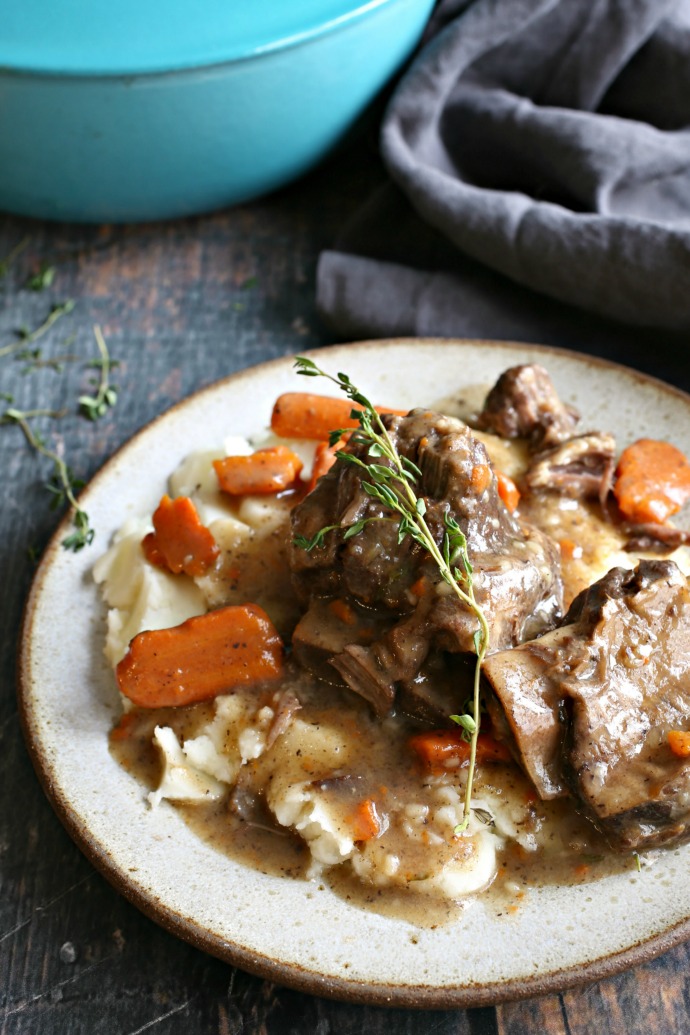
96	406
9	259
394	484
27	337
63	484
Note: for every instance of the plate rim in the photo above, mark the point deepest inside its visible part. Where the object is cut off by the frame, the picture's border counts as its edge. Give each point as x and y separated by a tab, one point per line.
292	975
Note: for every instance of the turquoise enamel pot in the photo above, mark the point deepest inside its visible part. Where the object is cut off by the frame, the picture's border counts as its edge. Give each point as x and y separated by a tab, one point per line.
151	109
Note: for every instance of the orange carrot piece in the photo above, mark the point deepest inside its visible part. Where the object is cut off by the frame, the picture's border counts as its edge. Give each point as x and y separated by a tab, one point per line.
435	748
570	550
180	542
305	415
679	743
480	478
508	491
201	658
324	458
261	473
365	821
342	610
652	481
152	551
420	586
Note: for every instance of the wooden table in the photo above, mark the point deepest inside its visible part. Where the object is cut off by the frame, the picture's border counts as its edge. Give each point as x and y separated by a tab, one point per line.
180	305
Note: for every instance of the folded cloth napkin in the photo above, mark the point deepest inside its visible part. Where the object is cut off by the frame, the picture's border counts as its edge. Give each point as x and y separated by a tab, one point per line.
539	153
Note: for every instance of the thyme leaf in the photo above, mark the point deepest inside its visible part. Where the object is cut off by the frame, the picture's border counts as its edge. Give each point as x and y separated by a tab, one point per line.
41	280
393	483
468	724
484	816
311	544
96	406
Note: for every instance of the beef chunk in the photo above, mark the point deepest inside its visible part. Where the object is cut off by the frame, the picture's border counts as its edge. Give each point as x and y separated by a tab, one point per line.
327	628
523	404
589	705
364	672
582	467
516	567
654	538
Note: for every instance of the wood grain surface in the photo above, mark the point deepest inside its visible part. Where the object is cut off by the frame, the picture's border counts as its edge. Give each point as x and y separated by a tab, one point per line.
182	304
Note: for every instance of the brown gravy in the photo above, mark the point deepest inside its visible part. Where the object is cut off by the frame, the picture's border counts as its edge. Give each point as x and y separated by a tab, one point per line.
578	854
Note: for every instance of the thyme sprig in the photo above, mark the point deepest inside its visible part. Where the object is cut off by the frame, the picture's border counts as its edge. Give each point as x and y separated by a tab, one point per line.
35	360
16	251
27	337
393	483
96	406
63	485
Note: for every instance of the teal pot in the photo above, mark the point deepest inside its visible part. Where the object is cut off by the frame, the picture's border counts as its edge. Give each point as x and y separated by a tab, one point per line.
151	109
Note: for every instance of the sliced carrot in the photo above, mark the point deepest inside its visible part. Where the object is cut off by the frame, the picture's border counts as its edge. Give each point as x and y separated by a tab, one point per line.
324	458
261	473
305	415
201	658
570	550
652	481
508	491
152	551
420	586
180	542
480	478
342	610
679	743
365	821
435	748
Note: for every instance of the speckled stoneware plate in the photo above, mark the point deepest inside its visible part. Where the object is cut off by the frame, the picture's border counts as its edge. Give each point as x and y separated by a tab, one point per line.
290	931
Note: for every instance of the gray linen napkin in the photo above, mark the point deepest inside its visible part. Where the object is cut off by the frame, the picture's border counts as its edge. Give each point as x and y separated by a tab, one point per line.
539	152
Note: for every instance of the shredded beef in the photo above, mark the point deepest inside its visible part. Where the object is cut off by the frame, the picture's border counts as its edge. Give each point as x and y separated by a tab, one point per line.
588	705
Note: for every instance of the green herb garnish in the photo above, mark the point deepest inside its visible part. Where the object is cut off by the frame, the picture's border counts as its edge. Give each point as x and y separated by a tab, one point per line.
35	360
41	280
96	406
27	337
9	259
63	484
393	483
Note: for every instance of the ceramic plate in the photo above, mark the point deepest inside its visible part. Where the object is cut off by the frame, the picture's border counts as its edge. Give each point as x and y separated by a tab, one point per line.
293	932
